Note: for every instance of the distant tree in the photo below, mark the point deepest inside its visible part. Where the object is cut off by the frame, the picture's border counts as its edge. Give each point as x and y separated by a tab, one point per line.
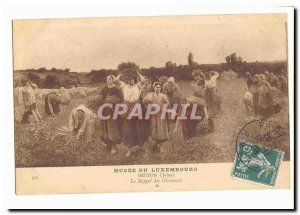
233	58
169	64
67	70
67	82
236	63
52	81
233	61
228	60
170	68
190	59
42	69
34	78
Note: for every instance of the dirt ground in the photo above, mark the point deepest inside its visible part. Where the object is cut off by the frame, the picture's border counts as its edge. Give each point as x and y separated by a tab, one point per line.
219	146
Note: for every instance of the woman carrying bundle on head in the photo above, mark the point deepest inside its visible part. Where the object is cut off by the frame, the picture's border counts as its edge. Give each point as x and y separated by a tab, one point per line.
212	97
158	123
199	90
198	83
133	129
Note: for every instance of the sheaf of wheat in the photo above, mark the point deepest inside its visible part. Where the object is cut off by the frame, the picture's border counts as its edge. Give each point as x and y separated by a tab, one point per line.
64	134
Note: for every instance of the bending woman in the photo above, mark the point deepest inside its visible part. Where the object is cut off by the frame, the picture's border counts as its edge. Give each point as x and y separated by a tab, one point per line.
52	103
83	124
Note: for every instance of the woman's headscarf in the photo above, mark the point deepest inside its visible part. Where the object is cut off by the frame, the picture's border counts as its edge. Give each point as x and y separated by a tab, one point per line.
111	76
198	72
156	83
171	79
262	76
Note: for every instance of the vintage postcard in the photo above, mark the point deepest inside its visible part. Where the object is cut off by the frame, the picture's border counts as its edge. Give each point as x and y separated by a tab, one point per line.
168	103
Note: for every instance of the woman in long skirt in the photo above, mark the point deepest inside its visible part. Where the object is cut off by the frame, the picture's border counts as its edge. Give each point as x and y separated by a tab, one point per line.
199	90
159	125
194	126
212	97
111	128
133	129
30	100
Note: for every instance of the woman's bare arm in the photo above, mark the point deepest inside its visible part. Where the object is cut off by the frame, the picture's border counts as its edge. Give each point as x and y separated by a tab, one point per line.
118	77
141	77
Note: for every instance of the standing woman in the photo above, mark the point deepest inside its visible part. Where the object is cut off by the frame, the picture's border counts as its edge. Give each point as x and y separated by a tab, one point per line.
30	100
111	128
132	129
198	84
212	98
159	127
199	90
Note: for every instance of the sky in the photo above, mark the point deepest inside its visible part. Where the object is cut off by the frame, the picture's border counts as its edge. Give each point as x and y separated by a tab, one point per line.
103	43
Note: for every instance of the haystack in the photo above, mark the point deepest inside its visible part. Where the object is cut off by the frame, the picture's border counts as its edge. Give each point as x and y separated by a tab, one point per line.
229	75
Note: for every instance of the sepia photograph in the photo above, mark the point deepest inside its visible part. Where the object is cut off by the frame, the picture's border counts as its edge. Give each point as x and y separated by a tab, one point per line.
149	90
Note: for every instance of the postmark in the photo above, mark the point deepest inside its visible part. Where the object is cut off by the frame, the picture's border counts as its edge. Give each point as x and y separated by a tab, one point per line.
259	151
267	134
257	164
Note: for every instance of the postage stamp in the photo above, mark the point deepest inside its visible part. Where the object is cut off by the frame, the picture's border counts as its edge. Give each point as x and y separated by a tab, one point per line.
257	164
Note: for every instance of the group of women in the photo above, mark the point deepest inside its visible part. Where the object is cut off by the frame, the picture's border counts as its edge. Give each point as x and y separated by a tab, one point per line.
134	132
139	91
259	96
136	90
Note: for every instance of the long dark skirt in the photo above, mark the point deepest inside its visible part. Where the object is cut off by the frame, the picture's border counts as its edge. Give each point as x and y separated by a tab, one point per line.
212	100
196	128
111	131
26	115
189	128
135	132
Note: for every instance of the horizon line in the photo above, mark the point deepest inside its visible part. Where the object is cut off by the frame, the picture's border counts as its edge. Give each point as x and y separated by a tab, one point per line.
270	61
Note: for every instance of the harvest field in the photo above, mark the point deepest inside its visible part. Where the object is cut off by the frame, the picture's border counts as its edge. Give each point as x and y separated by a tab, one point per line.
33	148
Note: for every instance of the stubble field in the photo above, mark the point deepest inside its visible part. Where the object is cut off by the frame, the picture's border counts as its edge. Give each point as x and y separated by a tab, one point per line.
218	146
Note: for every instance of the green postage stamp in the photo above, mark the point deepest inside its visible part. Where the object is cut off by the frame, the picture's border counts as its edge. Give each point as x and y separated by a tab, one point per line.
257	164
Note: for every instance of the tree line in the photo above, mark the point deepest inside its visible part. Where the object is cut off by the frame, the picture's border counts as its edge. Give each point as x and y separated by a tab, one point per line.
180	72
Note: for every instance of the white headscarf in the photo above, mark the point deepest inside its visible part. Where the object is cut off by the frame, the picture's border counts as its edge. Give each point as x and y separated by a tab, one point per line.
171	79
